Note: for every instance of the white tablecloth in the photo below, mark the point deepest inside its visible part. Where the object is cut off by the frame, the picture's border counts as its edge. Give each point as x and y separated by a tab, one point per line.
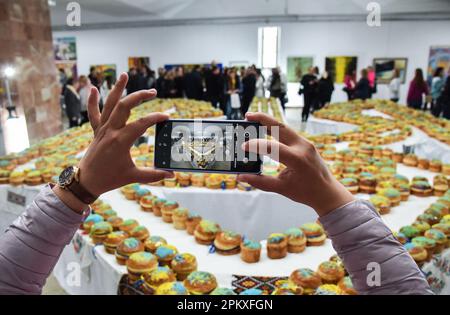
317	126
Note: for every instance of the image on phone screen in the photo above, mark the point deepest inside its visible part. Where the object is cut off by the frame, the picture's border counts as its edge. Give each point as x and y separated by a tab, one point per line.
208	146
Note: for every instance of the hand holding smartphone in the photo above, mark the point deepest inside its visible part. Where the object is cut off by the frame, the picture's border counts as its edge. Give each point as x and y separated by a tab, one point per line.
212	146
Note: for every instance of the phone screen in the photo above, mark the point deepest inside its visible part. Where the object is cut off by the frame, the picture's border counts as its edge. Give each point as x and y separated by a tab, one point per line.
206	145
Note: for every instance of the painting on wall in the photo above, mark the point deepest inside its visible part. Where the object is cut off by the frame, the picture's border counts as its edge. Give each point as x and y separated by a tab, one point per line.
138	62
65	48
338	66
108	70
297	67
69	68
385	69
439	57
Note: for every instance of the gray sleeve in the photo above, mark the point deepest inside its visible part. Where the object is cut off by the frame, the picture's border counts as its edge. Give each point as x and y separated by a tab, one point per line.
31	246
366	244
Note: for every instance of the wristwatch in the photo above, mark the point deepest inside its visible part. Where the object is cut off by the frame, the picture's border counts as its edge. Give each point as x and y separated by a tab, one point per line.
70	180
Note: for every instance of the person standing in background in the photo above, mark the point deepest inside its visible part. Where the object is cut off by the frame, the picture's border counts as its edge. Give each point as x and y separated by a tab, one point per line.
277	85
260	81
394	87
437	86
94	77
232	86
84	88
350	83
193	84
444	99
160	82
309	91
248	89
169	89
363	90
72	101
214	82
325	88
147	78
179	82
107	86
134	83
417	89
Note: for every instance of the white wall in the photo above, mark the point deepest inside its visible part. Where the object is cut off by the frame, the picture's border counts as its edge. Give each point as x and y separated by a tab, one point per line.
226	43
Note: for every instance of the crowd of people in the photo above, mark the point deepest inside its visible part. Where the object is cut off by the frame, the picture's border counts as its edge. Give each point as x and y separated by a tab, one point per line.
217	85
209	83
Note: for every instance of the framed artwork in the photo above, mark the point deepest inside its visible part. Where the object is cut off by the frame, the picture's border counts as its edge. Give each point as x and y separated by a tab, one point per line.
385	69
65	48
69	67
297	67
439	57
238	64
338	66
108	70
138	62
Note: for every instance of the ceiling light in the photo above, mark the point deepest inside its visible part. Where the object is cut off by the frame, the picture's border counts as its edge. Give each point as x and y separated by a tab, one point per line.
9	72
52	3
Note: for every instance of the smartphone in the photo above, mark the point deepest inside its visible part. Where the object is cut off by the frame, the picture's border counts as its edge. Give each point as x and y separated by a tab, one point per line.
212	146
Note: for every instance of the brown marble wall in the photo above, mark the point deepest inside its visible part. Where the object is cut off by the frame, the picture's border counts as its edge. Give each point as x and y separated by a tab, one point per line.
26	44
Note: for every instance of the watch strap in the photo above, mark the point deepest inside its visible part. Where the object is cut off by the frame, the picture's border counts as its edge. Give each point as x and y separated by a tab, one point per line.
81	193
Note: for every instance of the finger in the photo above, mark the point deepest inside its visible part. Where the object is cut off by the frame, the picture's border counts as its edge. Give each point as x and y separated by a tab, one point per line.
273	149
148	175
114	97
135	129
93	110
285	134
262	182
122	110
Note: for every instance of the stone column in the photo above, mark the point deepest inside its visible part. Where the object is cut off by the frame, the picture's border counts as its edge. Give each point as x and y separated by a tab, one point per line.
26	45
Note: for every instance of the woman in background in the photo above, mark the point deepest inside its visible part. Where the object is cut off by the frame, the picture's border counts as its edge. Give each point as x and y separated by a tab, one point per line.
350	83
277	86
84	87
260	80
72	102
417	89
325	88
394	87
232	86
363	89
437	86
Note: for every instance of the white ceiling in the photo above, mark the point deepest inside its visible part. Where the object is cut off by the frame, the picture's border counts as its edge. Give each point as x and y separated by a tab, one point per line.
94	13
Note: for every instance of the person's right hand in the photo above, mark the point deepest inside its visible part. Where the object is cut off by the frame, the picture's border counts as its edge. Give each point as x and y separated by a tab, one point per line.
306	178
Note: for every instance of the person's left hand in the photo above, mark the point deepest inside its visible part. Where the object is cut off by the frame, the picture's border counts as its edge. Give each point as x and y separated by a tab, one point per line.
107	164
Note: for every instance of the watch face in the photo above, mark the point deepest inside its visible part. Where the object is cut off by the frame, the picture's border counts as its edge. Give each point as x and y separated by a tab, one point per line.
66	177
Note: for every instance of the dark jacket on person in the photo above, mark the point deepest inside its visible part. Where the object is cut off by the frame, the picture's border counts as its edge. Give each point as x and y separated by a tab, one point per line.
160	87
249	86
179	87
444	99
134	83
325	89
214	86
193	85
309	84
72	101
363	90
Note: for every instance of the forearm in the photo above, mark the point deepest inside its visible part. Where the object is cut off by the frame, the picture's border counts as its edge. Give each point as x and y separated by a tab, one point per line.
31	246
360	238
